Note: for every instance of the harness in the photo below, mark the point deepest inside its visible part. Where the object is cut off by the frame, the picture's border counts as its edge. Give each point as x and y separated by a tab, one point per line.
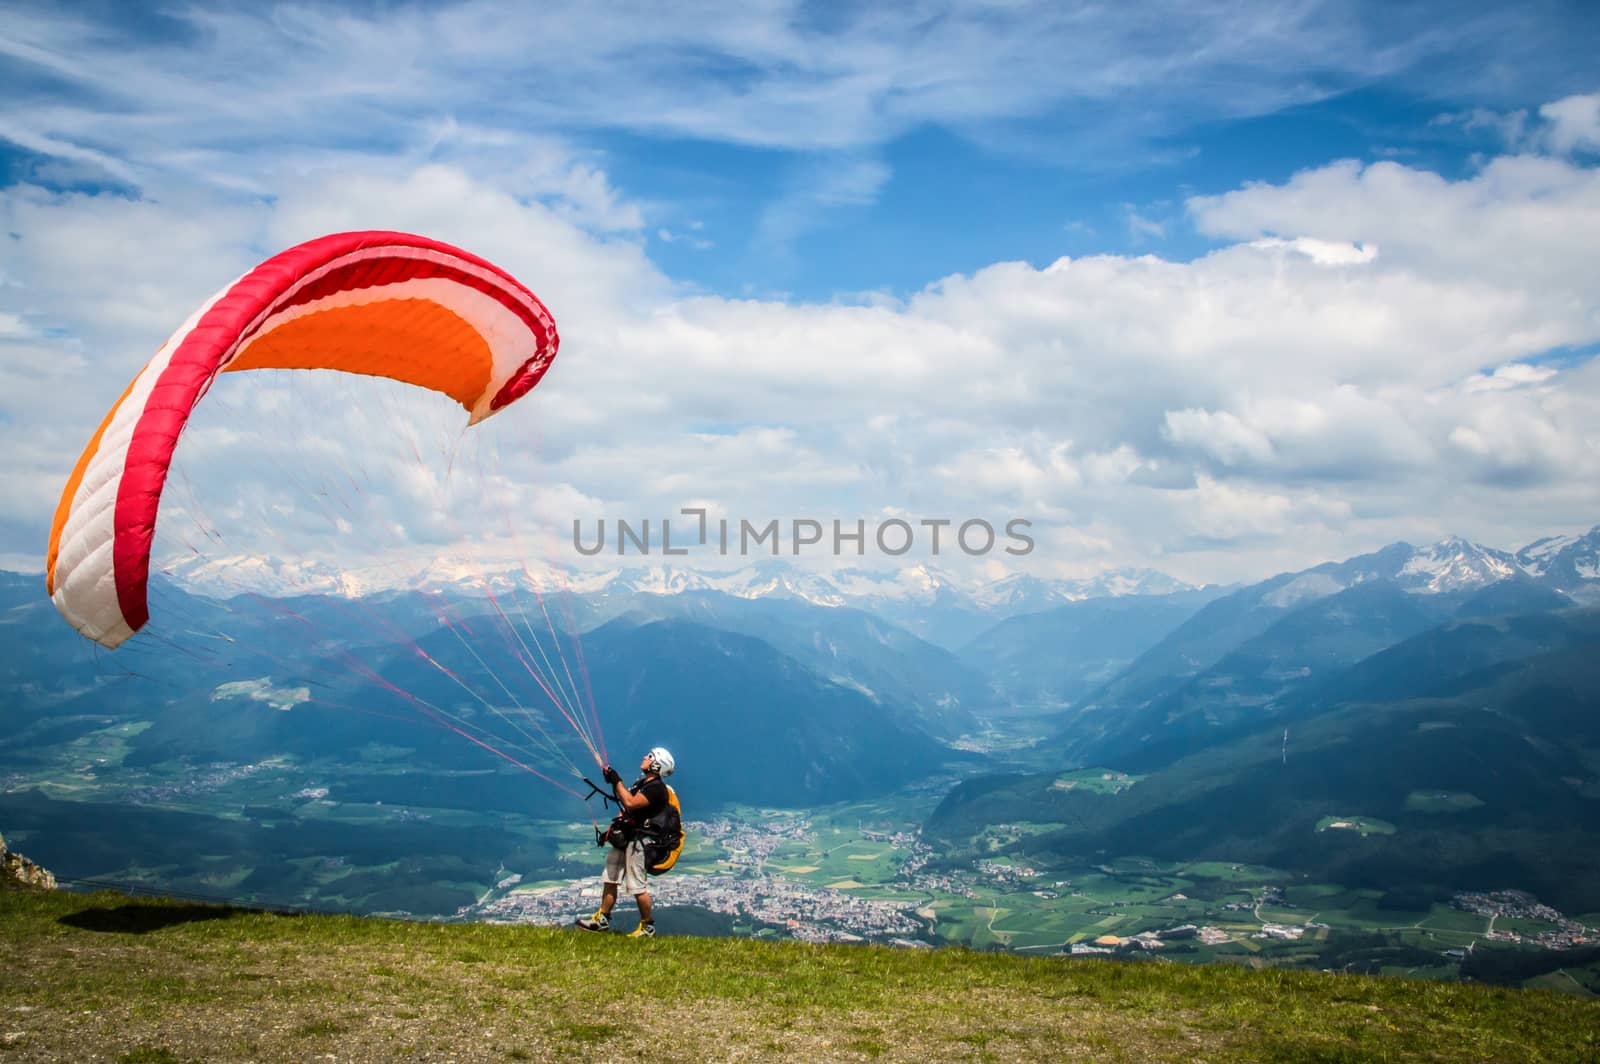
661	833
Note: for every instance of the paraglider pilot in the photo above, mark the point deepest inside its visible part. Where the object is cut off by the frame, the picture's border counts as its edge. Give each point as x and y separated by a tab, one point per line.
625	863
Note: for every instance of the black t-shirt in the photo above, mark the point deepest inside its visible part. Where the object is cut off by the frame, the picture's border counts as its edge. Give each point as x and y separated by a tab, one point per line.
655	792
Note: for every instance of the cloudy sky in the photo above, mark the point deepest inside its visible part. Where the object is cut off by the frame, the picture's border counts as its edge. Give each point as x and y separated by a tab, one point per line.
1216	288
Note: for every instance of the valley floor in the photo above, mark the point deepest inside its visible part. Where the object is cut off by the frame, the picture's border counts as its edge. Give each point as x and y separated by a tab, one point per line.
859	872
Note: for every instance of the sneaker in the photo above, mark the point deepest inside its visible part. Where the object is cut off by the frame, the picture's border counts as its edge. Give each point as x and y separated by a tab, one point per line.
598	922
643	931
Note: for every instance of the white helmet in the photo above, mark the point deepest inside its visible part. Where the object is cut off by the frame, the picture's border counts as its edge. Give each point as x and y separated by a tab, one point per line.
662	761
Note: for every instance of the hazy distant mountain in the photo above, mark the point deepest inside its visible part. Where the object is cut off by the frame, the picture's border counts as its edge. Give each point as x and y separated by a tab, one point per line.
748	724
1566	563
1242	689
762	726
774	579
1451	669
947	613
1485	774
1518	594
1435	662
1048	660
45	663
928	601
1021	593
923	599
866	628
1324	651
920	685
1417	586
1452	564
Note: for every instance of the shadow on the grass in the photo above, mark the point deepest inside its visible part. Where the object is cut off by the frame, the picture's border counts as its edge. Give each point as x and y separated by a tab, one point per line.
142	919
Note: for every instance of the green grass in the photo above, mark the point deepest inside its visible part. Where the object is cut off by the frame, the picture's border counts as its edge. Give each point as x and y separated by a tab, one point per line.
116	978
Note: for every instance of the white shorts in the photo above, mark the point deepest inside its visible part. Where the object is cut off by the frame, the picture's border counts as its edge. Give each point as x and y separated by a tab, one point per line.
626	867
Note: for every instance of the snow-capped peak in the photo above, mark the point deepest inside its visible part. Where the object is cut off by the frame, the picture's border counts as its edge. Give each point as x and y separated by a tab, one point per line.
1535	557
915	583
1117	583
1568	563
1454	564
1020	592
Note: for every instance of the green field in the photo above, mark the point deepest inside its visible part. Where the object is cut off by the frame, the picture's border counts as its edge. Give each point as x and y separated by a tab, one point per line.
1356	825
1441	802
1095	781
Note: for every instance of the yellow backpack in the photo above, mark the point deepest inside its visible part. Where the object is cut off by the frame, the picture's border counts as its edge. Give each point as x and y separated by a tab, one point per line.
663	836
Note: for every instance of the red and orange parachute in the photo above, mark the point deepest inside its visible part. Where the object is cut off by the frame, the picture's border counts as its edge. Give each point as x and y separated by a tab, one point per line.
380	304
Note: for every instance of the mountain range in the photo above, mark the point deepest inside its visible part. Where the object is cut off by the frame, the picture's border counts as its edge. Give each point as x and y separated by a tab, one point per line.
1473	745
1449	694
924	599
1151	670
1234	660
1244	715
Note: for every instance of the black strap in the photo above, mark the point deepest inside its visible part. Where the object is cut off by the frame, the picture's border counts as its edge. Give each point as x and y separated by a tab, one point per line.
605	796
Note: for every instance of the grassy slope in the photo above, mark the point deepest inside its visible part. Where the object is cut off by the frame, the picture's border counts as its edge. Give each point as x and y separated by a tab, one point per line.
107	977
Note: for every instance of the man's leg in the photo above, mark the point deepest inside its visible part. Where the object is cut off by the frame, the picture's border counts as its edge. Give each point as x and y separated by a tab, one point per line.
634	880
615	870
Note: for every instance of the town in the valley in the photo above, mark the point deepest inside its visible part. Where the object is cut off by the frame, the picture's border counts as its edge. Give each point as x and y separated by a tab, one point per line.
826	878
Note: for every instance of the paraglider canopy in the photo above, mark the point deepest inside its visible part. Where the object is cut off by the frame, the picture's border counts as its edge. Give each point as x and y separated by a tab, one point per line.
380	304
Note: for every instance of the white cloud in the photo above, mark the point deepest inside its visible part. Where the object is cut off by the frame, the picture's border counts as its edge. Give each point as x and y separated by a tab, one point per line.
1574	123
1511	375
1514	446
1323	252
233	84
1221	435
1291	396
1215	513
1510	128
14	327
1141	228
1516	235
1010	472
1563	127
816	188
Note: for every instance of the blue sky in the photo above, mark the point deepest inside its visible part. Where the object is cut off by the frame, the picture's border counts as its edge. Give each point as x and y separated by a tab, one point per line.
1215	288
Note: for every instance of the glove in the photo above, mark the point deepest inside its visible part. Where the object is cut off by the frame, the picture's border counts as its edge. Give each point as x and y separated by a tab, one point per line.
612	776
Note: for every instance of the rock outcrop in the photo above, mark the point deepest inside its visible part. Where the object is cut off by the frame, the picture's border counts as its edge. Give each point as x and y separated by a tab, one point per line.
17	871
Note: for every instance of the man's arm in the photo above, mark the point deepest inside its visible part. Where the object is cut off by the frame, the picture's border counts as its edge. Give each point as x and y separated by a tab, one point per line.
632	801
